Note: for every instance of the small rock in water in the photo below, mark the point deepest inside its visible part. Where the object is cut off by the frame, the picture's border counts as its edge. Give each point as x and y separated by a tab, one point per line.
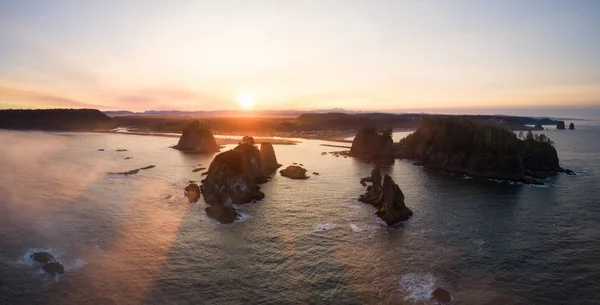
294	172
192	192
198	169
315	173
131	172
127	158
570	172
301	164
295	163
148	167
441	295
101	149
42	257
323	153
121	149
54	268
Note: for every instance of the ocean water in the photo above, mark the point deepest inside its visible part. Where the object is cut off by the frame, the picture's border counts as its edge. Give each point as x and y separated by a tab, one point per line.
135	239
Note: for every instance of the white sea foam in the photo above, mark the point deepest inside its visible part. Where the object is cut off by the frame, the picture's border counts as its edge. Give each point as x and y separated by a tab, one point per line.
417	286
355	228
321	227
467	177
242	217
540	185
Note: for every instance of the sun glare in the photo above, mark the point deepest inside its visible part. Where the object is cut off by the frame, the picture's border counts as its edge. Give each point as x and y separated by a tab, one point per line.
246	100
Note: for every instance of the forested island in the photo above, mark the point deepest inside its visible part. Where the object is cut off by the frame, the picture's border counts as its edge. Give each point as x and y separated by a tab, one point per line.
55	119
480	150
311	123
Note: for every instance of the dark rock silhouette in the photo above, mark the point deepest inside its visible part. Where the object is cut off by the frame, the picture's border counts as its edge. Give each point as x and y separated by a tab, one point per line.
374	194
198	169
560	125
478	150
131	172
571	126
53	268
100	149
192	192
268	158
388	198
294	172
393	209
442	296
373	146
570	172
233	178
315	173
127	158
538	126
223	214
42	257
198	139
147	167
121	150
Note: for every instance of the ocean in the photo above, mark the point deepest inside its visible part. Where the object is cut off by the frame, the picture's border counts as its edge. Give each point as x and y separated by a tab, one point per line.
136	240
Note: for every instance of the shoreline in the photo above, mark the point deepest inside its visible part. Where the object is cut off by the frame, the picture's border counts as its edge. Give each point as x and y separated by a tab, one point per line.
224	139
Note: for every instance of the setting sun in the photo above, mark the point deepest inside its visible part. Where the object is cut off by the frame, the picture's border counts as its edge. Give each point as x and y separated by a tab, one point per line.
246	100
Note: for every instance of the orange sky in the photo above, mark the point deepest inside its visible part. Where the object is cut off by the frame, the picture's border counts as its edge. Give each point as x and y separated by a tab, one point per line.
357	55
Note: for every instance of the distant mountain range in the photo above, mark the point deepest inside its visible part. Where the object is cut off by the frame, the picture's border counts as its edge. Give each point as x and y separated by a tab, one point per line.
545	120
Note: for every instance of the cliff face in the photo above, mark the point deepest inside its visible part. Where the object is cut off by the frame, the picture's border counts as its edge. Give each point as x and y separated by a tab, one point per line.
196	138
560	125
373	146
56	120
478	150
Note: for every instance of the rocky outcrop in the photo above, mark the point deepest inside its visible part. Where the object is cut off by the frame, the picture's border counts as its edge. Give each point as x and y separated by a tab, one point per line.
442	296
198	139
133	171
393	209
42	257
571	126
268	158
374	194
53	268
560	125
479	150
388	198
192	192
233	178
538	126
373	146
294	172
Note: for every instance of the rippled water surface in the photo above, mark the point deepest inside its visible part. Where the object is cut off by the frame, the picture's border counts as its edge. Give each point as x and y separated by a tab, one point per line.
135	239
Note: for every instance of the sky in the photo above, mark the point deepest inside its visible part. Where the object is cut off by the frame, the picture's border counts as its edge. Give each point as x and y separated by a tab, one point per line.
358	55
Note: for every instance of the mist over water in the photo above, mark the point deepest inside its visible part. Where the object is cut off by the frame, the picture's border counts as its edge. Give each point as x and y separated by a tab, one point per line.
135	239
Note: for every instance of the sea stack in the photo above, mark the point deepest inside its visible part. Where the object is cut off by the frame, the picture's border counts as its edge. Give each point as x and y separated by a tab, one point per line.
571	126
268	158
374	146
233	178
197	138
560	125
388	198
